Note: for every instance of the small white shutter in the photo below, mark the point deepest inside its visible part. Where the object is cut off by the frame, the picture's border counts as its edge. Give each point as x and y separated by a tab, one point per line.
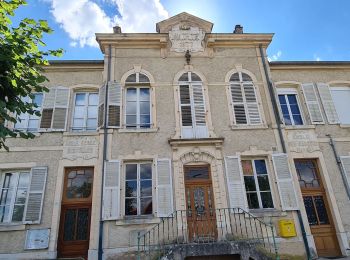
114	103
111	190
312	103
61	109
238	106
235	182
345	161
252	104
164	188
48	107
285	182
327	102
101	105
35	196
200	126
186	112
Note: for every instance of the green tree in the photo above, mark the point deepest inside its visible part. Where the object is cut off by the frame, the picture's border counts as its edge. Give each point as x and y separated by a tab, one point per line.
22	59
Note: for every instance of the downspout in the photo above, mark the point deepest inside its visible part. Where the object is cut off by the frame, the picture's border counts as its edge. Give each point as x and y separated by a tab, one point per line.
279	121
104	156
337	158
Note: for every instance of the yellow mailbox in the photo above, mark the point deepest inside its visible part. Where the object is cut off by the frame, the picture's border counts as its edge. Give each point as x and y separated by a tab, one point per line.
287	228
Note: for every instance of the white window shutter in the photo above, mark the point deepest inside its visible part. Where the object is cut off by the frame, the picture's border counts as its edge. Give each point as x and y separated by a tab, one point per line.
111	190
312	103
238	106
235	182
186	112
252	105
114	104
200	126
48	107
345	161
164	188
101	105
35	196
327	102
285	182
61	108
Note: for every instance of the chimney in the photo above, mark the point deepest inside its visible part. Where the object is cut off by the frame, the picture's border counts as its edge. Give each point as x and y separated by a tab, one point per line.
238	29
117	29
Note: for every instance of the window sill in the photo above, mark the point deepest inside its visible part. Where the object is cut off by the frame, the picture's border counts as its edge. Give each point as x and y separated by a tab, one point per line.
140	130
247	127
11	227
81	133
344	125
267	213
297	127
138	220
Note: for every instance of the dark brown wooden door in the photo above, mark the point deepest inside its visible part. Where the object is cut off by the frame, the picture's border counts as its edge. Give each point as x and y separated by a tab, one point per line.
317	208
74	233
201	217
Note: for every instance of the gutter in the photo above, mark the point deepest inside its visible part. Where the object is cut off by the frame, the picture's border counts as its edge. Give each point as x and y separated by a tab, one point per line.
104	156
278	121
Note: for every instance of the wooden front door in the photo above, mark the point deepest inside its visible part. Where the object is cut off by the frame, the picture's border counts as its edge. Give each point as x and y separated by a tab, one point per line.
201	218
74	233
317	208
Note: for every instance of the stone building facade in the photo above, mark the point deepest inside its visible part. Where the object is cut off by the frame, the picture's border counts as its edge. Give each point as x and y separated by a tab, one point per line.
181	126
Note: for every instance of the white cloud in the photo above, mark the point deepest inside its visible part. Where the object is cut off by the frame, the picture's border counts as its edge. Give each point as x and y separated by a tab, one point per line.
317	58
81	19
275	57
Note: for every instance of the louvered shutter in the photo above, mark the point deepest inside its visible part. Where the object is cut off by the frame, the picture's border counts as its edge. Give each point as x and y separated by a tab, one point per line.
35	196
61	109
48	107
345	161
114	103
101	105
251	104
238	104
235	182
111	190
312	103
327	103
200	127
285	182
186	112
164	188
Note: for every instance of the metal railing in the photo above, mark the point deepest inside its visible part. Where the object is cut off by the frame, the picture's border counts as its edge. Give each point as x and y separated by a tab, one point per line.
207	226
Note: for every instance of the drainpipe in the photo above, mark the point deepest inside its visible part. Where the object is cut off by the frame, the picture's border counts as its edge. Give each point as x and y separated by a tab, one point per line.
337	158
104	156
279	121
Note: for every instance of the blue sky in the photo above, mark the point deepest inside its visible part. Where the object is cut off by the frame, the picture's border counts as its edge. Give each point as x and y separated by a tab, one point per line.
304	29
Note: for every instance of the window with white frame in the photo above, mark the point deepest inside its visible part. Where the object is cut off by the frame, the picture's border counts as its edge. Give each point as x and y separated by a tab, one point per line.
85	111
26	121
137	101
138	189
289	104
13	195
341	99
257	184
245	105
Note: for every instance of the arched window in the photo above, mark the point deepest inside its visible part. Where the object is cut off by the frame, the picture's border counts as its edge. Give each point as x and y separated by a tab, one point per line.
244	101
137	101
192	106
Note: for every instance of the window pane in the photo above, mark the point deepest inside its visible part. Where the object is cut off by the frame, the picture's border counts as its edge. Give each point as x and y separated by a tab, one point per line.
21	196
321	210
131	120
295	109
92	124
79	185
292	99
282	99
38	99
143	78
284	109
184	77
195	173
310	210
131	189
146	171
92	112
263	181
249	183
93	99
69	224
307	174
131	94
78	123
79	112
266	199
4	213
260	166
131	78
144	94
297	120
145	120
33	124
195	77
131	171
146	188
247	168
246	77
80	99
6	196
144	108
341	101
235	77
287	119
82	224
131	108
253	202
18	213
130	207
146	206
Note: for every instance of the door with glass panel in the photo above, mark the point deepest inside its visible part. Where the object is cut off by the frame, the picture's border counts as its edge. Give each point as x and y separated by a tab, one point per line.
74	230
201	218
317	208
